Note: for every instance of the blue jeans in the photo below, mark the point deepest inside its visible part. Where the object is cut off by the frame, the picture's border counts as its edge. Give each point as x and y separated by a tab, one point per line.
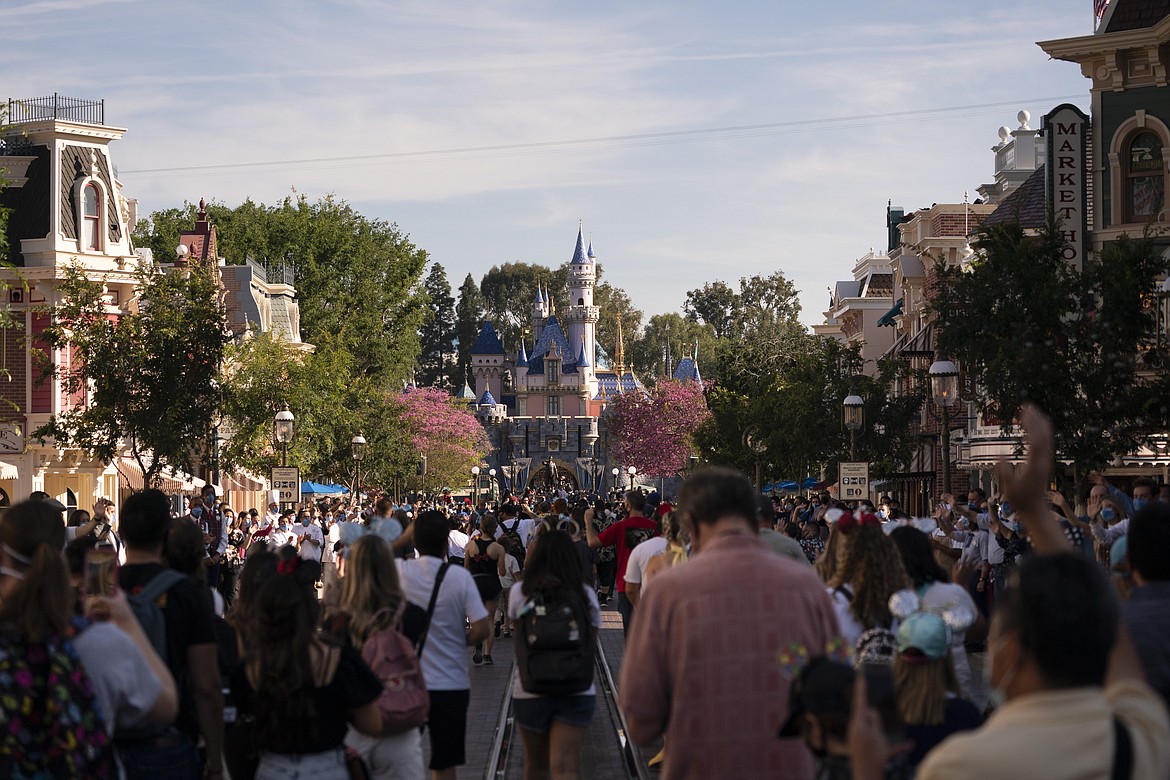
626	608
329	765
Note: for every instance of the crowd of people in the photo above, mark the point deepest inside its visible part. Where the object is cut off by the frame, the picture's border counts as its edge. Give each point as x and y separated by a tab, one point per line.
1013	633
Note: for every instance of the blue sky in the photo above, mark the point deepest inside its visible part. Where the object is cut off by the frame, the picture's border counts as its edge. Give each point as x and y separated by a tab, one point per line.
223	82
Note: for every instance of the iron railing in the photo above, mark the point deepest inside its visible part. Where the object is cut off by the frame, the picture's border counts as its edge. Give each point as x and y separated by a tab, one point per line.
56	106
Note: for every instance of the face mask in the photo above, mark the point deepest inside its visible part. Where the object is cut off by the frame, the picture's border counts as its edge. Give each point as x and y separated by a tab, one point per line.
284	526
197	512
973	506
247	524
1107	514
306	521
1140	503
883	514
963	523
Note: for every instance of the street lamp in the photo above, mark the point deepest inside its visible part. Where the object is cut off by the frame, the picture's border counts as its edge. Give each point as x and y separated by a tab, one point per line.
632	470
358	446
492	474
614	472
282	431
854	408
474	486
944	386
754	443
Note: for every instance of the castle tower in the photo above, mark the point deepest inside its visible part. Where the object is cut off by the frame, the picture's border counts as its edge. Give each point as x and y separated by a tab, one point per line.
540	310
582	315
487	362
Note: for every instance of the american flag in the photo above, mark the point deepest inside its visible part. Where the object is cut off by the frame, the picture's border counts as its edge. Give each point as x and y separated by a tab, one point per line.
1099	7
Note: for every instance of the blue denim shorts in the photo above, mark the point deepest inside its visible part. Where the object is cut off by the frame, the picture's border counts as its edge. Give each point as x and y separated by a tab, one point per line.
538	714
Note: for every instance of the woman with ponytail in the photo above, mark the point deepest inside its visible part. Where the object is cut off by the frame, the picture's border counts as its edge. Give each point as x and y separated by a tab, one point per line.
49	724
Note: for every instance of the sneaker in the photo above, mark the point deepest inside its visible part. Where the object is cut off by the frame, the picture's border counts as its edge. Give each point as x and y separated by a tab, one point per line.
487	660
477	657
499	625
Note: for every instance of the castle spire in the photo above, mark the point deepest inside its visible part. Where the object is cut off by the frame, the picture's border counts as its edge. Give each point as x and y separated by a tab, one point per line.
619	352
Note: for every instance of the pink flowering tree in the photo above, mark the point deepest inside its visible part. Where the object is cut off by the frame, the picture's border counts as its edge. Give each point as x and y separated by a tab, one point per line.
443	431
654	432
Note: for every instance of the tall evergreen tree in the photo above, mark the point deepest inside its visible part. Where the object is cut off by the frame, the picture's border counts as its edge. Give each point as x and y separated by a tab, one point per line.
437	334
468	319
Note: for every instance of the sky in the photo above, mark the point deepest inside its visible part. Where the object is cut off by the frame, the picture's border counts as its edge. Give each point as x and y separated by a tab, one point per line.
695	141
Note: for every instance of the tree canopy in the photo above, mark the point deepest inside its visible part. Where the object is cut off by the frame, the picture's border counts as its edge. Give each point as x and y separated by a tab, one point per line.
437	334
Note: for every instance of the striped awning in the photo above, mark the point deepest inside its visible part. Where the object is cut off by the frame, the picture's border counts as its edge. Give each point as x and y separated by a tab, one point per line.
131	476
887	319
8	470
243	482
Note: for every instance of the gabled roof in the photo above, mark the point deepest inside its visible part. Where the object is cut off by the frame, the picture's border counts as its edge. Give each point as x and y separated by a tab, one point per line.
487	399
488	342
609	385
552	335
1026	204
579	257
687	370
1136	14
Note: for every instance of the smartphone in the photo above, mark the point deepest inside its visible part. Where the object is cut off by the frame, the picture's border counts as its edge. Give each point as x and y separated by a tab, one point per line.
100	528
883	696
101	572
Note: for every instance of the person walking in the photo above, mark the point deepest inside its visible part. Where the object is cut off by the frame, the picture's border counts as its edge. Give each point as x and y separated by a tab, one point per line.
553	726
680	683
483	557
624	536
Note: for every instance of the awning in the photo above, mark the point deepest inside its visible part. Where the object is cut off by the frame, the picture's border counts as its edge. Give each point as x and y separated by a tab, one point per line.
887	319
132	477
243	482
922	344
8	471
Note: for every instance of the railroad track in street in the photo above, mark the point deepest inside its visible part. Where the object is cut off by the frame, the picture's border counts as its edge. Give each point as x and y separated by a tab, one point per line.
623	759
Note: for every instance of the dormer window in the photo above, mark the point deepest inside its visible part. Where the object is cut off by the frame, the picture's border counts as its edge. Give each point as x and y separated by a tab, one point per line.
91	218
1145	183
552	370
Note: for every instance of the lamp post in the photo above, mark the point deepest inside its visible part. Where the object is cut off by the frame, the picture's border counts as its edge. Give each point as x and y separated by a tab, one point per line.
358	446
614	473
854	409
492	474
474	486
944	386
282	431
631	471
754	444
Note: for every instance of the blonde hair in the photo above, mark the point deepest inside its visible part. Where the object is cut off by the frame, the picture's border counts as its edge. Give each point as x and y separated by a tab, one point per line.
922	689
370	586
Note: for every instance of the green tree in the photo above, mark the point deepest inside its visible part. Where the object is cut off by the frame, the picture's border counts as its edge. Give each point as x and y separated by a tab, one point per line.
356	278
468	320
508	292
679	335
713	304
437	334
144	379
1028	327
613	302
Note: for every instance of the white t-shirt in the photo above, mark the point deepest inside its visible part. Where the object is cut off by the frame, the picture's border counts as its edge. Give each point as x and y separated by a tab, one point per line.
457	544
524	528
511	569
125	685
445	661
640	558
516	601
332	537
309	551
279	538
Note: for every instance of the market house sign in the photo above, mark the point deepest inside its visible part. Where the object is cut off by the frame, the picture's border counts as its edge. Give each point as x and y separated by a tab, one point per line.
1064	131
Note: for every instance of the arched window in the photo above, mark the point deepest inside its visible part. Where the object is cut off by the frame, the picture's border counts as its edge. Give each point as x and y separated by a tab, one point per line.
580	301
1145	183
91	212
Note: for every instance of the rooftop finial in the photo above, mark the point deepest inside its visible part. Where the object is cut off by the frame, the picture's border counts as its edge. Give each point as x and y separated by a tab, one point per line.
619	352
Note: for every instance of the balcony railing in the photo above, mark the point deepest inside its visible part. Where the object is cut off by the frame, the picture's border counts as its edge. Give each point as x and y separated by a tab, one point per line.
56	106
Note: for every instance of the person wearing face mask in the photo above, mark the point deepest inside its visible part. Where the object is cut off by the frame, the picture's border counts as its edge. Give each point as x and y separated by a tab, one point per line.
312	540
1072	695
283	535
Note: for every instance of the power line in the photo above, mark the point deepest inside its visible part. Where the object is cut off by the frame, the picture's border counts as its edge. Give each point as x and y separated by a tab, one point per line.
612	141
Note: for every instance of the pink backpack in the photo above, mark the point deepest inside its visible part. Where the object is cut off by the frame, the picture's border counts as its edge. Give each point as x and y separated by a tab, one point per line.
391	657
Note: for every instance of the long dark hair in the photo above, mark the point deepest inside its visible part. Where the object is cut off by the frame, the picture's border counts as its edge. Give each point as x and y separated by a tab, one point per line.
41	605
917	556
279	660
553	564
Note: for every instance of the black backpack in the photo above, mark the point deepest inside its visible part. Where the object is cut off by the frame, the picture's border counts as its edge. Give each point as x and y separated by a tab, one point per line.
555	653
512	543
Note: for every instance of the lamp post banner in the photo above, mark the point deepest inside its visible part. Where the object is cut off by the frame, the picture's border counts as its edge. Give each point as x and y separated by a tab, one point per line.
1066	177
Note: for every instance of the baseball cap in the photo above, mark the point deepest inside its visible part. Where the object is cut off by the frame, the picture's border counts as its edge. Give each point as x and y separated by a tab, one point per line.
926	633
823	687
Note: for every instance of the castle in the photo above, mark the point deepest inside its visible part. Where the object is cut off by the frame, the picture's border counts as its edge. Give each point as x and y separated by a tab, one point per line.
544	410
